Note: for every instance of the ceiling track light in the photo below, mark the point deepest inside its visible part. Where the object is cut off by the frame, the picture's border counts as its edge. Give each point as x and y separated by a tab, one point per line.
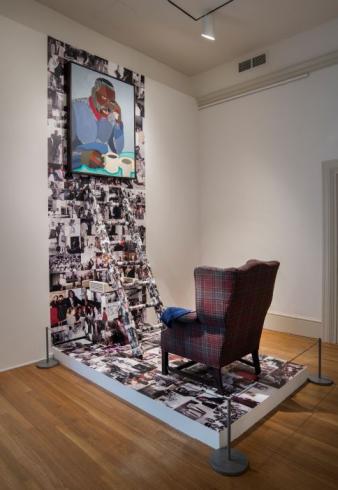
208	31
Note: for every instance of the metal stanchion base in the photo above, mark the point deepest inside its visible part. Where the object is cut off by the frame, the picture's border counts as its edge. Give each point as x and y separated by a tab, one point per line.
236	466
320	381
47	363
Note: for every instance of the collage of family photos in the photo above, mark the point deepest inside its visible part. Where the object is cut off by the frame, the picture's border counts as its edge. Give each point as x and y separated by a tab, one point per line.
190	391
76	254
77	257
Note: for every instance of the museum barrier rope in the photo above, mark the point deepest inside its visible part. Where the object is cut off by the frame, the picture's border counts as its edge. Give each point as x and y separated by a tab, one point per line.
227	460
302	352
232	462
318	378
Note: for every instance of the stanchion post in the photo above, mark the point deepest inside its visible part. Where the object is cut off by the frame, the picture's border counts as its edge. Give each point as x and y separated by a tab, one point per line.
319	379
229	428
47	345
48	362
229	461
319	358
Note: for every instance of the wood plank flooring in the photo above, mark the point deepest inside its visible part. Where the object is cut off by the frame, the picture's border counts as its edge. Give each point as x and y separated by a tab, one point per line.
59	431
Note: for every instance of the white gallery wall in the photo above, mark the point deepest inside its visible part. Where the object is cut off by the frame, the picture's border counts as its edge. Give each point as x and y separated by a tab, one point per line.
170	168
172	219
23	216
261	184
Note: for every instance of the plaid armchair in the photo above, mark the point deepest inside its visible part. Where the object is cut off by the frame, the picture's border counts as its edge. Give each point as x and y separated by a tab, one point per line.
231	305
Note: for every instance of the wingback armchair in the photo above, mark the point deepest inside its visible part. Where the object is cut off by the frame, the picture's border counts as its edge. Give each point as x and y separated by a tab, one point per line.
231	305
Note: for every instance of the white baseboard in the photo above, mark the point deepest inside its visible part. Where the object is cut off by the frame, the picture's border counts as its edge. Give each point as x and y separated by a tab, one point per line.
296	326
20	365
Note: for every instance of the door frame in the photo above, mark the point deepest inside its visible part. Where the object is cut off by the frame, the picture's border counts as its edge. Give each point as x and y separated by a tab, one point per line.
330	250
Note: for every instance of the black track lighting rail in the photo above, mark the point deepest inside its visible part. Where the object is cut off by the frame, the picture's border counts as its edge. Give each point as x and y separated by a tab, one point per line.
201	16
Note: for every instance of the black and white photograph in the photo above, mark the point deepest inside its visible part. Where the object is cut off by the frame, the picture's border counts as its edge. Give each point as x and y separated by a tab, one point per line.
280	376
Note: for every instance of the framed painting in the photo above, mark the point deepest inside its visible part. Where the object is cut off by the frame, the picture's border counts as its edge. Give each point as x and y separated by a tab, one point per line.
101	124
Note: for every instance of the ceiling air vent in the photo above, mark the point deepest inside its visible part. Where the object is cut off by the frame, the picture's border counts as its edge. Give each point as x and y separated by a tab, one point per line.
252	63
244	65
259	60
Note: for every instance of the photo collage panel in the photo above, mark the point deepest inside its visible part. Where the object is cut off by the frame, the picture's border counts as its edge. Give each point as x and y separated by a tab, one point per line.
76	254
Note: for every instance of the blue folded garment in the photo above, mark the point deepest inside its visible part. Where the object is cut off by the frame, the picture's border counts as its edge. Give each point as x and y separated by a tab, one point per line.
173	313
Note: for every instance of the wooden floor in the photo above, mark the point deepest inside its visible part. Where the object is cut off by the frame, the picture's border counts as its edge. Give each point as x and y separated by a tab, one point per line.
58	431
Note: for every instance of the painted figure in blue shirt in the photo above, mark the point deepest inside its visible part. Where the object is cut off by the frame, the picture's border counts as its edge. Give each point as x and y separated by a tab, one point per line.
97	126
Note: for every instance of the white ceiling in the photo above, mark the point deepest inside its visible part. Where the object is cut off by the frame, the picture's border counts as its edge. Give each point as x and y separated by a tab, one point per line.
159	30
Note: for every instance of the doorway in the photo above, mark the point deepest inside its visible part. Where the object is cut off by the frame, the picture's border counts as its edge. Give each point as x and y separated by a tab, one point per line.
330	251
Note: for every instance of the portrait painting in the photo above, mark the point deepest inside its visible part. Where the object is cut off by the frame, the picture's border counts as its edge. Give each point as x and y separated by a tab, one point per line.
102	124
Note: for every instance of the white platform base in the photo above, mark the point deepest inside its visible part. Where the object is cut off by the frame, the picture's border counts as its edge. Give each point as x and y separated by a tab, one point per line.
213	438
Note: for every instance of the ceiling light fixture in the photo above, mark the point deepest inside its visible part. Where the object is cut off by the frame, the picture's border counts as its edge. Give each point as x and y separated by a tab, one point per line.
208	21
208	28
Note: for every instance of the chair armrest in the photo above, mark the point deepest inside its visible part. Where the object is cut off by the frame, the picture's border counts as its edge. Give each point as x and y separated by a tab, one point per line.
188	318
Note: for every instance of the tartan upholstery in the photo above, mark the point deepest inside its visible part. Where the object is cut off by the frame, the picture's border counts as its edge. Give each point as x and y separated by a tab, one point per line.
213	289
231	305
195	341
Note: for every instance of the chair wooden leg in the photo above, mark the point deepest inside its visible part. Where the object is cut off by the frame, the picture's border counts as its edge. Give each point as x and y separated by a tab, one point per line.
165	362
218	379
256	363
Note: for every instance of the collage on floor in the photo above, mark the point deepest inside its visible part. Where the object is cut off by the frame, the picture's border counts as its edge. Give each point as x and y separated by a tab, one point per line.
190	391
